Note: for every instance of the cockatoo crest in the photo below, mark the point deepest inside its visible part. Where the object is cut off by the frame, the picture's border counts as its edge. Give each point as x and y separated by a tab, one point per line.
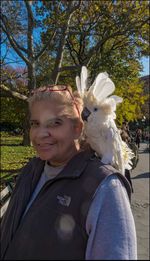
98	115
82	83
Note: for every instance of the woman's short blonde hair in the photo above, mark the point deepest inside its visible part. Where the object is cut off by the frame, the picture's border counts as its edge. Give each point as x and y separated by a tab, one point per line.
61	95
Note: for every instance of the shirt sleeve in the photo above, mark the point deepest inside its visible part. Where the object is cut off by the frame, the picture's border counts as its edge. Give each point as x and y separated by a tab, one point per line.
110	224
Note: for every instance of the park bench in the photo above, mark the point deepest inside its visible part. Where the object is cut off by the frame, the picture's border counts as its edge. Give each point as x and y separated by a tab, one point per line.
5	195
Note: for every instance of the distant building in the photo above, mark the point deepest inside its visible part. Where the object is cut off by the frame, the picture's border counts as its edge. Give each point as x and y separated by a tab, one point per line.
146	106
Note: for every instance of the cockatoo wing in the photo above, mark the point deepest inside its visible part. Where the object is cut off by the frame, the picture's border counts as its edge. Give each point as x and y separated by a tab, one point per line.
82	82
102	87
118	148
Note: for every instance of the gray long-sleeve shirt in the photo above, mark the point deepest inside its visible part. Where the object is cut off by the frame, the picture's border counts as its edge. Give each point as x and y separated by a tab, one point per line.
109	225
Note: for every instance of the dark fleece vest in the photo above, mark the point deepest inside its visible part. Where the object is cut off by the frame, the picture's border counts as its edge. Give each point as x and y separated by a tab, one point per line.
54	226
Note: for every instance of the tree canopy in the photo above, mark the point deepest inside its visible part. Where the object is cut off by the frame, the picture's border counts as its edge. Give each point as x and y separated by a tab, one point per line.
53	39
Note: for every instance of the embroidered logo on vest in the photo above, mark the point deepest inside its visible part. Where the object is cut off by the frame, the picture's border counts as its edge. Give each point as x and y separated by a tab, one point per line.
64	200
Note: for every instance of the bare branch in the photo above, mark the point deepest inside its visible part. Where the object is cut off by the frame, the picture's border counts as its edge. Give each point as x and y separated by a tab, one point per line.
29	9
45	46
14	76
13	93
14	45
77	6
65	31
5	22
71	52
69	68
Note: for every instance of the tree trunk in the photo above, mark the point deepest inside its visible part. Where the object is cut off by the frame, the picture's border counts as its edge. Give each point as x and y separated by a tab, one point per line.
31	86
26	137
26	129
31	70
31	77
65	31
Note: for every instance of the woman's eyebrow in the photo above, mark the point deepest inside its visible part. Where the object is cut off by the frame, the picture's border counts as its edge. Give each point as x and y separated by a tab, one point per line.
51	120
32	120
54	119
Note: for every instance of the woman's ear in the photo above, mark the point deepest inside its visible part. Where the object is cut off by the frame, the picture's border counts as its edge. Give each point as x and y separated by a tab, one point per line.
78	129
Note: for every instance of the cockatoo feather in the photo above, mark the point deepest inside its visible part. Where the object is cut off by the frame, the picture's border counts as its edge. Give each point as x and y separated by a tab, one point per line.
82	82
78	84
102	87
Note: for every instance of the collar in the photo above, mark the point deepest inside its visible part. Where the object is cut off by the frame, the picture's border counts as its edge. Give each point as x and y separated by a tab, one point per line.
76	165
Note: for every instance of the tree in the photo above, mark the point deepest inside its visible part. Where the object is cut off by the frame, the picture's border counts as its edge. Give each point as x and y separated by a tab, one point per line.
133	99
55	38
20	29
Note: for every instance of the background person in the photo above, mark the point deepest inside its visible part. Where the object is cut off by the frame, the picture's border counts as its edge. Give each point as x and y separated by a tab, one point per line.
66	205
127	139
138	136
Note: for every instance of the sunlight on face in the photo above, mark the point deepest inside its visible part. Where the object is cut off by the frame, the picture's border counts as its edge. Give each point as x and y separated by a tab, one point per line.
52	134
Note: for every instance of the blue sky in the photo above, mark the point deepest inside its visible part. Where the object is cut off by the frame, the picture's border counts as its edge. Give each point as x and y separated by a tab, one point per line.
146	66
19	63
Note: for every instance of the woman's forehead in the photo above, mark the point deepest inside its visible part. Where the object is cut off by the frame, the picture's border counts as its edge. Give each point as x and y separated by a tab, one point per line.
46	109
47	105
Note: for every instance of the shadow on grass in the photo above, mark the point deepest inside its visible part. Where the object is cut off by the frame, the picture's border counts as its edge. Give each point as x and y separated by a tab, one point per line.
142	176
11	171
10	145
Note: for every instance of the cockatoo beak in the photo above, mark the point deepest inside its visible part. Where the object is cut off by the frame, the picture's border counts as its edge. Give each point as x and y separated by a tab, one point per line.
85	114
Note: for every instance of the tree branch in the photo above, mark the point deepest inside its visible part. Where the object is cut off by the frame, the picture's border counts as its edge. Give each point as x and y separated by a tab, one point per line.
14	45
29	9
45	46
13	77
71	54
7	31
69	68
65	31
13	93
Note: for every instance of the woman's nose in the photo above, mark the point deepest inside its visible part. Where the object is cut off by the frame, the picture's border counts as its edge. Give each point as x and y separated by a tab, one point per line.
43	132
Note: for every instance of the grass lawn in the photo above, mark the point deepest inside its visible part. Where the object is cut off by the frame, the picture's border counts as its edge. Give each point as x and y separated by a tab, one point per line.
13	155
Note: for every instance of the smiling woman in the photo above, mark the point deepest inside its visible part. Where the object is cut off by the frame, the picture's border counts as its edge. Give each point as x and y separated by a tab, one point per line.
55	129
66	200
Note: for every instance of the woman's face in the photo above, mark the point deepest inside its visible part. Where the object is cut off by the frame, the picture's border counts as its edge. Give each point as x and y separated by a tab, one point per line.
52	134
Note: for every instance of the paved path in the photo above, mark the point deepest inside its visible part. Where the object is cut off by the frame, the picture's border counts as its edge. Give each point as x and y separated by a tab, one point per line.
140	202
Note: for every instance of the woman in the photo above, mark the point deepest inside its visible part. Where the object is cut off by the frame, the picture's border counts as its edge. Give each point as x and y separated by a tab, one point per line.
66	205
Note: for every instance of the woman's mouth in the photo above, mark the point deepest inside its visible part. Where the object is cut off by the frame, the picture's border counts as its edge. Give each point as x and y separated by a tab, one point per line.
45	146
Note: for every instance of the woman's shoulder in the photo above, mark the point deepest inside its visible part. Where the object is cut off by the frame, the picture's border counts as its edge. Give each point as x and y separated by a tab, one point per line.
33	164
101	172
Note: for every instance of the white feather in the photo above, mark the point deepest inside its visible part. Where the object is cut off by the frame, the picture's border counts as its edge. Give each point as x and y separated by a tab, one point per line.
81	82
117	98
78	84
113	100
102	87
84	76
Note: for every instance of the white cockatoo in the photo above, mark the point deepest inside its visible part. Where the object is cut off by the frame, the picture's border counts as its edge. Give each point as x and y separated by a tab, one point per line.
99	120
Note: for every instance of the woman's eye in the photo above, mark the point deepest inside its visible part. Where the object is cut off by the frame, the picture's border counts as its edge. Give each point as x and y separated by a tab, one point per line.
54	123
34	124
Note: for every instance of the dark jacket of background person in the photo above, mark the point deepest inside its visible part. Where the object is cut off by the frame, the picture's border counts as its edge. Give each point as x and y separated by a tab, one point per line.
138	137
69	234
125	137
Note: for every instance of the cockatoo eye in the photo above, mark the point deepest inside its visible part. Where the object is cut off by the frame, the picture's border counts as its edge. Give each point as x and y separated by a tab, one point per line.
95	109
